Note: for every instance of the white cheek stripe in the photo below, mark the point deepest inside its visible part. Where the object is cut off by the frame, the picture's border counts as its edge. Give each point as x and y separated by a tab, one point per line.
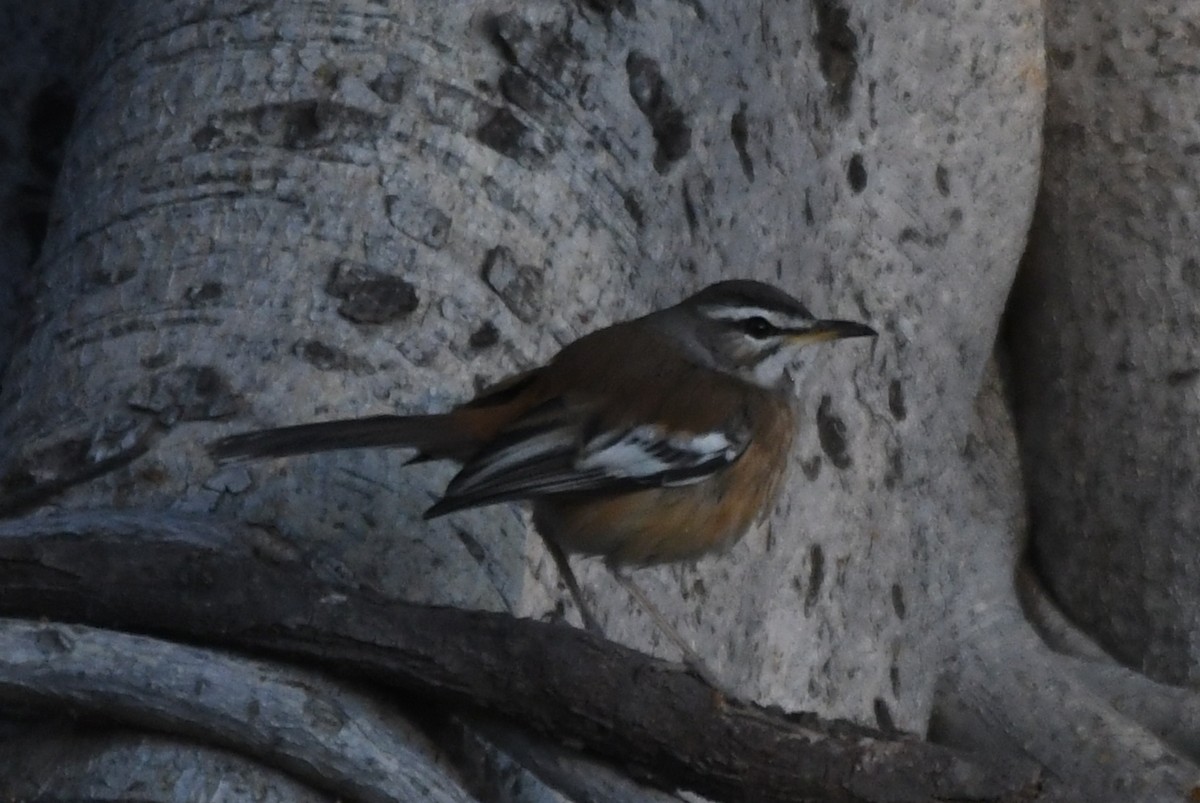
768	373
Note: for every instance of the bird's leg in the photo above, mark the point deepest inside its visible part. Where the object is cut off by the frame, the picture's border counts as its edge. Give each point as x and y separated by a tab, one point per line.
568	576
690	657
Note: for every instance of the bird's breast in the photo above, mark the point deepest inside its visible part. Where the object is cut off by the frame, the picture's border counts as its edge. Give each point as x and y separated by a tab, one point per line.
675	523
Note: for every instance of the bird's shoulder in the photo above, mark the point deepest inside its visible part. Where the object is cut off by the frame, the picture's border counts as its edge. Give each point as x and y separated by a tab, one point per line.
634	372
618	378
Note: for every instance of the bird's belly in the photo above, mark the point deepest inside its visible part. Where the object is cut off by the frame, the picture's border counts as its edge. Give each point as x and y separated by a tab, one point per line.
657	525
674	523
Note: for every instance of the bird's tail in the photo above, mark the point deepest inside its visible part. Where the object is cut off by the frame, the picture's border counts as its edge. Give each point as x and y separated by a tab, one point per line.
432	435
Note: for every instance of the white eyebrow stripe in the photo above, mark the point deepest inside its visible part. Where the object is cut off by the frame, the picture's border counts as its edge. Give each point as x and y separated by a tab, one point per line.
740	313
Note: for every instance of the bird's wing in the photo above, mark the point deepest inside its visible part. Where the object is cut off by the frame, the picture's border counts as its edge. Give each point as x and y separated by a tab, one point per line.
556	449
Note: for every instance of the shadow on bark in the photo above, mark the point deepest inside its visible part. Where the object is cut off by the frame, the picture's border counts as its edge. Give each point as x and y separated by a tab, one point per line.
227	585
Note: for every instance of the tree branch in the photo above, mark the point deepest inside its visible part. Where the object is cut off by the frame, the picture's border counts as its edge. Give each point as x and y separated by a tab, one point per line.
63	764
347	743
1091	750
231	585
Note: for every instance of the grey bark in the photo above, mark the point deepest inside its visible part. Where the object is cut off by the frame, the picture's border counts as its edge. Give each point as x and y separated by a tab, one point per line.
1106	335
274	214
41	74
61	764
544	220
332	738
238	589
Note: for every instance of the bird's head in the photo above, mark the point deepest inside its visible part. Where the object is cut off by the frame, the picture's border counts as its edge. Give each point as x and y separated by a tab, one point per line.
753	331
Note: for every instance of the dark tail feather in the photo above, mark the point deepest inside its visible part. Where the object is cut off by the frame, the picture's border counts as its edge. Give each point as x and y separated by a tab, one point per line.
432	435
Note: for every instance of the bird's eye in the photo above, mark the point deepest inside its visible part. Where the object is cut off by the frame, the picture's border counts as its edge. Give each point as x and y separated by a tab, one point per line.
758	327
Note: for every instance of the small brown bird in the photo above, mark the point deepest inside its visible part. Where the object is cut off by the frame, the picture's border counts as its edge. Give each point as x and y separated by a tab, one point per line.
652	440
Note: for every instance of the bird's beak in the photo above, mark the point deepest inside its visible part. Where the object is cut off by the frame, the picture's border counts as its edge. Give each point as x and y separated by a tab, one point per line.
821	331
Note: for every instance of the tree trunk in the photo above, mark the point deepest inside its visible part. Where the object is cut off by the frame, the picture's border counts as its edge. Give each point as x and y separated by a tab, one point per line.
1106	335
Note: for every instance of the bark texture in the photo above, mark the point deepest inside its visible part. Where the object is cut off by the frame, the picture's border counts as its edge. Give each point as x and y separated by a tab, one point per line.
1105	333
660	725
418	180
41	75
82	764
274	213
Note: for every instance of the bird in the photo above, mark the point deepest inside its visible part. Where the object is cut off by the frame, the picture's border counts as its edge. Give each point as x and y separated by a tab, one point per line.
653	440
